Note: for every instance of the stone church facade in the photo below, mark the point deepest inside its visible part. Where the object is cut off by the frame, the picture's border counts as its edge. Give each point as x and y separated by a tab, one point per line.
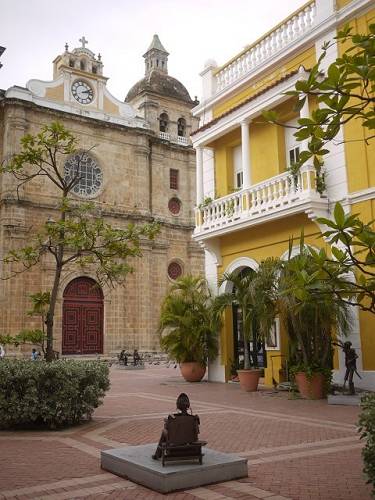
140	167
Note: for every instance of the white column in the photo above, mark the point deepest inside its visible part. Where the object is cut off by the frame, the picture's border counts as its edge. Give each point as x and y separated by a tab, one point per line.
199	153
245	147
305	113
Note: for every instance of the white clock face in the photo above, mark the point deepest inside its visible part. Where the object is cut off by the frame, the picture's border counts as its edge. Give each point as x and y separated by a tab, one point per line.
82	92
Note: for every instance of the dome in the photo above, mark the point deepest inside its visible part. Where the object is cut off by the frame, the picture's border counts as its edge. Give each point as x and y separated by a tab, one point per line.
158	82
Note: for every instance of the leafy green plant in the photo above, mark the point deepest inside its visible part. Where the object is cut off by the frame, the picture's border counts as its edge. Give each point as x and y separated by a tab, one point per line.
52	394
311	313
367	432
255	293
206	202
189	324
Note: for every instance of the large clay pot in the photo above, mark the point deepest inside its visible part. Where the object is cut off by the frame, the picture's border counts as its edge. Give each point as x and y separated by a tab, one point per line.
310	388
193	371
249	379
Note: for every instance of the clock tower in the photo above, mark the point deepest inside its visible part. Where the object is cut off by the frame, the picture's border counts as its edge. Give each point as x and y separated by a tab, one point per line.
79	87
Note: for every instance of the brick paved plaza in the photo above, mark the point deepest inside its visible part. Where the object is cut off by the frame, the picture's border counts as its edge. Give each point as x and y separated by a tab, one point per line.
296	449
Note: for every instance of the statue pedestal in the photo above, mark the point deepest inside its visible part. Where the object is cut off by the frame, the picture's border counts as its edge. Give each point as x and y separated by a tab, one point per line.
135	463
344	399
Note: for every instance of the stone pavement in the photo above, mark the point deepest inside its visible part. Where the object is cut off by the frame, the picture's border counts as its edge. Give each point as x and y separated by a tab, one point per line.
296	449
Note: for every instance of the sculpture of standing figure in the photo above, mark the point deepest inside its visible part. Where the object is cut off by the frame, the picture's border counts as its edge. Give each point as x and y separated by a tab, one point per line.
350	364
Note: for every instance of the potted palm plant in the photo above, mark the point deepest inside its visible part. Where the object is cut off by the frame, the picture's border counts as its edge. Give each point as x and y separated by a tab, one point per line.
254	292
189	324
312	316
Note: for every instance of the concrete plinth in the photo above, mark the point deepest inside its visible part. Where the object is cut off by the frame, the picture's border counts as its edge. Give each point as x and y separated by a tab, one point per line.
344	399
135	463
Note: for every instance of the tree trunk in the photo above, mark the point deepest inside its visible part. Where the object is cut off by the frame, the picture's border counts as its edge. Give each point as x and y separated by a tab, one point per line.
56	283
51	313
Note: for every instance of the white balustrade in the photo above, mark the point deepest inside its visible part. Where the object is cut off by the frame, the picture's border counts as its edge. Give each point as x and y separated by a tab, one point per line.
267	47
278	193
164	135
182	140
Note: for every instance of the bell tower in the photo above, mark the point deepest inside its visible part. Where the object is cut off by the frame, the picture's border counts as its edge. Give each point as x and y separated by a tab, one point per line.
156	57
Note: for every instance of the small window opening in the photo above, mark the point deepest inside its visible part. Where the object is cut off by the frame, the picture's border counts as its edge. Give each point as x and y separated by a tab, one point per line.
157	63
82	65
94	70
181	127
71	63
293	156
173	178
239	180
163	122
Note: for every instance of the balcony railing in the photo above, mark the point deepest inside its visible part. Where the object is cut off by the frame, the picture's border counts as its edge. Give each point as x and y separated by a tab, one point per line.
276	196
183	141
293	28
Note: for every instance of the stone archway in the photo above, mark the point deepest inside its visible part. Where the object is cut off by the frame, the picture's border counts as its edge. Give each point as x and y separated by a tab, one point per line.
82	323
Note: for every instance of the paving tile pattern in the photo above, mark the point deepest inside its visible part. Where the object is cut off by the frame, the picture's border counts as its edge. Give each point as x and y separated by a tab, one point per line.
302	450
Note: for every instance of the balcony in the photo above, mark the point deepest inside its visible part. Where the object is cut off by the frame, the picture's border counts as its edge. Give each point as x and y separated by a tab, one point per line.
292	29
275	198
182	141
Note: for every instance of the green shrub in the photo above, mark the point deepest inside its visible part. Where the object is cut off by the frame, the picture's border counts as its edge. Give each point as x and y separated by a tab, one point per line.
52	394
367	430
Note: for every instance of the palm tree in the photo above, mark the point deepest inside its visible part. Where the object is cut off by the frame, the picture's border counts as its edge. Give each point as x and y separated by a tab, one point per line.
189	322
312	314
255	293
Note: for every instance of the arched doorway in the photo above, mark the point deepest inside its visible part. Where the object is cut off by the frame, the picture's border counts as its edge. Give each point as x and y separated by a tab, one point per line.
82	325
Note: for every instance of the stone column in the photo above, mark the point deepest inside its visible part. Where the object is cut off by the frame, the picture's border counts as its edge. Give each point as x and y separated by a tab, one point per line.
199	151
245	146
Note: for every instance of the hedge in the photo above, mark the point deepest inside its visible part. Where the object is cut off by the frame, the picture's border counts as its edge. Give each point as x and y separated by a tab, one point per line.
56	394
367	430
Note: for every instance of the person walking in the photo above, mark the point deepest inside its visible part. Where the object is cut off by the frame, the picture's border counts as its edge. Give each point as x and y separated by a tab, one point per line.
34	355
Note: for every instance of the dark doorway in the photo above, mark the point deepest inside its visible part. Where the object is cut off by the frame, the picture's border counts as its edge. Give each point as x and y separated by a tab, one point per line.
82	317
256	348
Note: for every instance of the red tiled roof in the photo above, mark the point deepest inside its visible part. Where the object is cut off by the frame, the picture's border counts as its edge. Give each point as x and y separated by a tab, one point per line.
246	101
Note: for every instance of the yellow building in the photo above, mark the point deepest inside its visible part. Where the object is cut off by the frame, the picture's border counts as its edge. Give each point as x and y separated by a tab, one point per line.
248	204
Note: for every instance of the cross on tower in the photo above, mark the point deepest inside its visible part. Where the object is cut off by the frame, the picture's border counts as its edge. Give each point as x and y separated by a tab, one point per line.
83	41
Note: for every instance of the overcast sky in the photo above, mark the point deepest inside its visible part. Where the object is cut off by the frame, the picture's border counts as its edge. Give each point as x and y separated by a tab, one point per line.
34	32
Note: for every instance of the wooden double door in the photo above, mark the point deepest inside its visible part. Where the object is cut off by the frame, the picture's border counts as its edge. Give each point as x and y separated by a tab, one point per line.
82	317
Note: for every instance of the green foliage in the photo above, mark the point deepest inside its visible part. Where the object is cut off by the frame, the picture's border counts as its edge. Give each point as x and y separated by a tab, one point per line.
367	431
52	394
255	292
311	312
189	323
352	244
90	242
345	93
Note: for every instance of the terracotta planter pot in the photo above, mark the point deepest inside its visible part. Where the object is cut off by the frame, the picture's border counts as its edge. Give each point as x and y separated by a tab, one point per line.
310	388
249	379
192	372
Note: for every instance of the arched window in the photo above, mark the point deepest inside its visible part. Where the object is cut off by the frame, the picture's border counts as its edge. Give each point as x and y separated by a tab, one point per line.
163	122
181	127
94	70
71	63
82	65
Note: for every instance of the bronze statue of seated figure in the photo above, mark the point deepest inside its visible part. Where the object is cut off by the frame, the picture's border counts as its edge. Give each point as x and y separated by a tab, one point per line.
179	438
